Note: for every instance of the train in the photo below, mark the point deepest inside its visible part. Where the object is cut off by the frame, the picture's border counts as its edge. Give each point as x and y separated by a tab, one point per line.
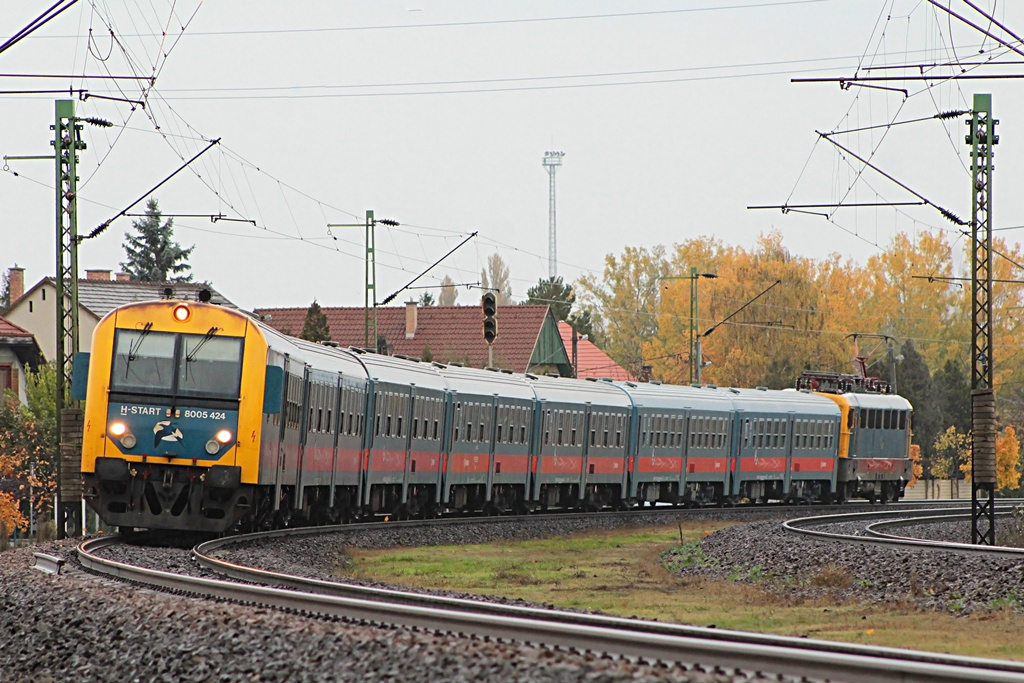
204	418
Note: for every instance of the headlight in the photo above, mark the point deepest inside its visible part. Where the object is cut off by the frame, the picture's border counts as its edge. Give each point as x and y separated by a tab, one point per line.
212	447
117	428
128	440
224	435
181	313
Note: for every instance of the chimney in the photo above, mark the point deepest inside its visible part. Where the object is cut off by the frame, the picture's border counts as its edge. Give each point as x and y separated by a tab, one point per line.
97	275
16	283
123	277
410	319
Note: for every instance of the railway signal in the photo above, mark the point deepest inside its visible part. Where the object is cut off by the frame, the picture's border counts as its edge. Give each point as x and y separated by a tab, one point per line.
489	306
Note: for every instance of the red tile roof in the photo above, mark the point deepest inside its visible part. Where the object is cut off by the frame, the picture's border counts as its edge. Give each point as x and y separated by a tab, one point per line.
590	360
453	333
9	329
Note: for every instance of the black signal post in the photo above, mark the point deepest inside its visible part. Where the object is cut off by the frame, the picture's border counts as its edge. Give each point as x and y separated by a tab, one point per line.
489	306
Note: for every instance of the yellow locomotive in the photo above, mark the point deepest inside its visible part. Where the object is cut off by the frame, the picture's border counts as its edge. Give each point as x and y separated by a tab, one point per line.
174	403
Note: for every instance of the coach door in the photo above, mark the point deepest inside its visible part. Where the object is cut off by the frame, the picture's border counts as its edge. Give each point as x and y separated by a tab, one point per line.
290	431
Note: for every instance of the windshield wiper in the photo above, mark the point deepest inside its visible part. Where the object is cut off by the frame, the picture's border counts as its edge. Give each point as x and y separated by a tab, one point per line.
191	355
133	347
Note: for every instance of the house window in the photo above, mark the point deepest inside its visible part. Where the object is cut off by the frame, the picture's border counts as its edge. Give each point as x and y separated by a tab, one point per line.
7	374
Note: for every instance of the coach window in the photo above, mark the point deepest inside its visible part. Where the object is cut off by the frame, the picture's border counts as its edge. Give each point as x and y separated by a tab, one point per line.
457	421
886	419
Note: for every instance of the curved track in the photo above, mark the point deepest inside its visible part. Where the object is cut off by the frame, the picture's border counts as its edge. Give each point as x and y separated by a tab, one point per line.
894	517
713	649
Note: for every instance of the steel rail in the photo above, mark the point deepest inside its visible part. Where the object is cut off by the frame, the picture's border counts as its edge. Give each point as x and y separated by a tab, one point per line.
792	656
924	516
47	563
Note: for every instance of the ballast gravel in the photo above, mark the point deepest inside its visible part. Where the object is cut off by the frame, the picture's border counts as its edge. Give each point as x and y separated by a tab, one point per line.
799	568
78	627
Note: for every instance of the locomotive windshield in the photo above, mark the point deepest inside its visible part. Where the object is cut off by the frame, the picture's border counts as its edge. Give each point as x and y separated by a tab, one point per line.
167	364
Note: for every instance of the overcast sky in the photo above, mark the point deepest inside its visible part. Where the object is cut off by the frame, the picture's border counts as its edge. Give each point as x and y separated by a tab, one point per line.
674	116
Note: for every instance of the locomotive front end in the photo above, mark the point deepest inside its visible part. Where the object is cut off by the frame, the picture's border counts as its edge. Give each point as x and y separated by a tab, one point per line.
172	416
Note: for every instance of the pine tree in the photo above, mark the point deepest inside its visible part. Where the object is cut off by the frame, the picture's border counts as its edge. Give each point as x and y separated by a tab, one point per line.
552	292
153	256
953	396
916	386
426	299
315	328
5	292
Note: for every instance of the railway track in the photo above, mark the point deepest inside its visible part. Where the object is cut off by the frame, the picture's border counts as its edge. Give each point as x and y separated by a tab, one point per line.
871	526
708	649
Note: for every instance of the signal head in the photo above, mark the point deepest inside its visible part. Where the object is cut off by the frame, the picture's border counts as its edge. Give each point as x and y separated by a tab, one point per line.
489	304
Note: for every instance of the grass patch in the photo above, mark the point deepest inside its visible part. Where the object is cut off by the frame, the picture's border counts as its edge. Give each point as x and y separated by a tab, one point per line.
621	572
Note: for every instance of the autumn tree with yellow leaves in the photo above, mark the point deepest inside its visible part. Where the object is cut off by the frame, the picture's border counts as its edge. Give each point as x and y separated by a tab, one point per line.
29	443
1007	460
909	293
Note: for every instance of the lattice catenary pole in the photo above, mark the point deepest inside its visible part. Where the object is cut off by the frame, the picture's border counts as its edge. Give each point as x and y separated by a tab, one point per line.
66	143
982	138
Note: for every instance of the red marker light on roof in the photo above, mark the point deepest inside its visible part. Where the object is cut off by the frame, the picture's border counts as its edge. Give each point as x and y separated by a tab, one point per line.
181	313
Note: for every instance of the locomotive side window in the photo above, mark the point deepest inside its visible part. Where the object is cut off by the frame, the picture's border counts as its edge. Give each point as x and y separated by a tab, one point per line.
903	419
863	418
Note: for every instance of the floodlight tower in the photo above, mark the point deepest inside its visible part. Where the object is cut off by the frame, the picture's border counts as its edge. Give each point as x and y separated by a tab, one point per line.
552	161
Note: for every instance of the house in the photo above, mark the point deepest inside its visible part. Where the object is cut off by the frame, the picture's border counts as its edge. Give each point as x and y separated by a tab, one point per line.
18	352
99	293
590	360
528	339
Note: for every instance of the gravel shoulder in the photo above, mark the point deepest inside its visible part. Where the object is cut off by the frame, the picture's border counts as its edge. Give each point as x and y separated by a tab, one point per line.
82	628
763	553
